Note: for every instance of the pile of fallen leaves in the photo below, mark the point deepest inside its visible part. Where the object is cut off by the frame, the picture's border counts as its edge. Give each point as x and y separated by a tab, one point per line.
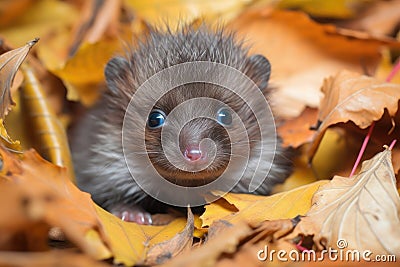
336	71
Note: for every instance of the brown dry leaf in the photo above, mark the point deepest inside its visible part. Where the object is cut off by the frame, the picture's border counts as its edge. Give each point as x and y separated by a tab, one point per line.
265	237
133	244
380	18
207	255
362	210
43	196
295	132
161	252
236	245
356	97
350	96
312	52
59	258
256	209
9	65
98	19
49	133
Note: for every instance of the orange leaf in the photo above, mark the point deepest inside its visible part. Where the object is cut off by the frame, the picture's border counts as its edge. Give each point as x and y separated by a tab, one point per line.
311	52
48	259
43	195
295	132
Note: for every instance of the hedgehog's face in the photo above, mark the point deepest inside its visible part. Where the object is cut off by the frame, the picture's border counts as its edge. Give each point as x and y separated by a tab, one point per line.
177	113
190	129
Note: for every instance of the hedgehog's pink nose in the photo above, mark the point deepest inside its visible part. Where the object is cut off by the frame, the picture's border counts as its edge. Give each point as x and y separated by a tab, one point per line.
192	153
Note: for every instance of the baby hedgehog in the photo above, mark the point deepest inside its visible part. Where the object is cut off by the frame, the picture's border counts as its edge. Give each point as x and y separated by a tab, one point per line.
97	143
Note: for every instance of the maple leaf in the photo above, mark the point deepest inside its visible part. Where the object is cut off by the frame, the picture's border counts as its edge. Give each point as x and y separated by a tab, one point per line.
363	210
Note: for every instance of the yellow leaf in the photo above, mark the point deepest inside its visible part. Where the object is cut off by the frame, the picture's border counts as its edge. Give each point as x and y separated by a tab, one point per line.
42	17
95	246
178	12
87	65
255	209
84	71
199	232
327	8
217	210
48	131
130	243
14	146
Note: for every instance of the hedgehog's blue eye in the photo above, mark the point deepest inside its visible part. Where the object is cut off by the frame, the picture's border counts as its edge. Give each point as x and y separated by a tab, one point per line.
156	119
224	117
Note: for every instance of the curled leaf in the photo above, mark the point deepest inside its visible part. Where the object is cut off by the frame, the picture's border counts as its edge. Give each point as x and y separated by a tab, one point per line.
50	135
9	65
349	96
182	241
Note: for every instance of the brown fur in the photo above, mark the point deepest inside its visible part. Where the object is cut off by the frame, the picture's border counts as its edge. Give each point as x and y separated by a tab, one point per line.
97	150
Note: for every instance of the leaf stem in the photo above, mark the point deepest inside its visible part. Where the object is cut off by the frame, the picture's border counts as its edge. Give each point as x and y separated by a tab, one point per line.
392	144
394	71
363	147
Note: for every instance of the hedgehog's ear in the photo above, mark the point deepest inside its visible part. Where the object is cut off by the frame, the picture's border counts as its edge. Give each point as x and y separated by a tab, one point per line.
117	72
258	69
